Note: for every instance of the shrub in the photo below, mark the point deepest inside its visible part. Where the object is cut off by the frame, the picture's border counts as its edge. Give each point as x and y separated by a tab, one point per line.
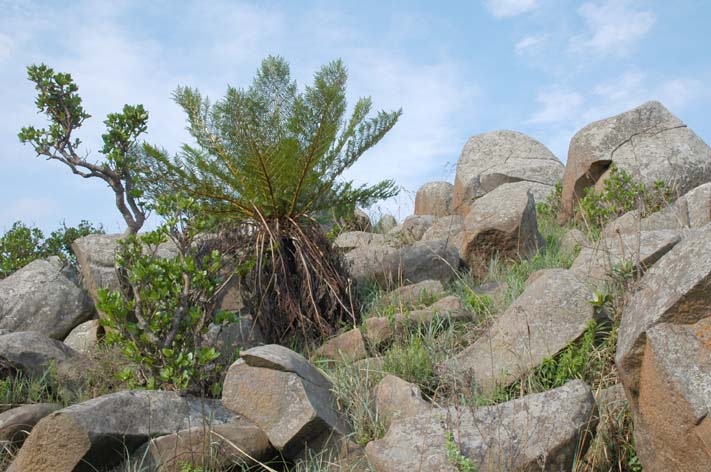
161	315
22	244
269	161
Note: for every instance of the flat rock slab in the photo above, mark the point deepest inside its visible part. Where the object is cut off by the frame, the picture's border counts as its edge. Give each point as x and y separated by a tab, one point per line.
537	432
551	313
43	297
596	264
277	357
95	434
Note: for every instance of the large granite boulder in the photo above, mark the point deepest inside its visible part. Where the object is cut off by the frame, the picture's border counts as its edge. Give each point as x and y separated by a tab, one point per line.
84	337
536	432
32	352
414	227
434	198
450	228
348	346
502	222
551	313
662	357
423	260
97	433
16	424
43	296
492	159
396	398
286	396
648	142
385	224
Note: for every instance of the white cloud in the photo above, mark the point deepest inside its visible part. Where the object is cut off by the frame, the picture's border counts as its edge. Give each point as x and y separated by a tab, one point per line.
557	105
678	93
510	8
530	43
618	94
614	27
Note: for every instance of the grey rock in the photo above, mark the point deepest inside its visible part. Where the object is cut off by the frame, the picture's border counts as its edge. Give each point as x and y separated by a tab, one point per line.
16	424
353	239
496	158
276	357
424	260
434	198
385	224
43	297
551	313
95	434
595	264
32	352
396	398
648	142
411	295
229	338
536	432
448	227
573	241
348	346
414	227
502	222
84	337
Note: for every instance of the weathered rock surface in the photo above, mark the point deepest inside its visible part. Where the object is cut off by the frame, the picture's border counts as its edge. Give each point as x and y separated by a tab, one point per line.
353	239
412	294
573	241
348	346
229	337
421	261
595	264
84	337
277	394
396	399
414	227
676	290
492	159
501	222
537	432
552	312
648	142
95	434
16	424
385	224
224	443
672	424
447	227
32	352
43	297
434	198
96	255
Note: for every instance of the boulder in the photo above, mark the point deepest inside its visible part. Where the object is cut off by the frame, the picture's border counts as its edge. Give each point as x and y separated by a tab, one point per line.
672	423
434	198
501	222
411	295
277	357
96	434
414	227
496	158
536	432
32	352
229	338
551	313
385	224
238	441
45	297
676	290
293	411
423	260
573	241
84	337
648	142
16	424
348	346
596	264
448	227
96	255
396	398
353	239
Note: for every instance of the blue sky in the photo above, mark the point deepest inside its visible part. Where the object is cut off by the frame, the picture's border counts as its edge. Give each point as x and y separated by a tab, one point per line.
543	67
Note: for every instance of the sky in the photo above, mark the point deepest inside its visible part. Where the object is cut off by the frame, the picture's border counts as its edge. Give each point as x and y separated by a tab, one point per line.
457	69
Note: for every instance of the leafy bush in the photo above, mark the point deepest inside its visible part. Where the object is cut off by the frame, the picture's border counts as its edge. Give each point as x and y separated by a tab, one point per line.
269	161
161	316
22	244
620	194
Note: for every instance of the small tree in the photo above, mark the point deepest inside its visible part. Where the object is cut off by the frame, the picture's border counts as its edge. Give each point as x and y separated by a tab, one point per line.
58	99
269	160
